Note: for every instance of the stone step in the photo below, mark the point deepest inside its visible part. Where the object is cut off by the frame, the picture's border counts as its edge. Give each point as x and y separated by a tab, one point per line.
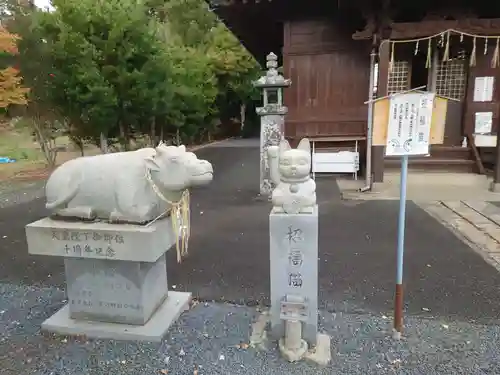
430	163
475	223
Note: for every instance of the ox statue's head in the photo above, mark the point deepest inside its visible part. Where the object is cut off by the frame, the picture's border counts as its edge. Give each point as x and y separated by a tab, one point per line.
175	169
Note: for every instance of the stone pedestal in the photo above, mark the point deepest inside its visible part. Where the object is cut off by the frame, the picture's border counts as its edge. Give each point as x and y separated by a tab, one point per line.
294	272
272	124
116	278
115	291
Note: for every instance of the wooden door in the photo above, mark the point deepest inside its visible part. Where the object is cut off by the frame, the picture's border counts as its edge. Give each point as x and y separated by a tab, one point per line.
330	78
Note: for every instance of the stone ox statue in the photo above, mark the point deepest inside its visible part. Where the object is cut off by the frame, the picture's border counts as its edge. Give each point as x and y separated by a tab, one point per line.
129	187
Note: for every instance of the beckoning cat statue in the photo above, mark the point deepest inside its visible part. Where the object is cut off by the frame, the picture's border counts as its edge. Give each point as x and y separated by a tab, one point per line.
295	190
128	187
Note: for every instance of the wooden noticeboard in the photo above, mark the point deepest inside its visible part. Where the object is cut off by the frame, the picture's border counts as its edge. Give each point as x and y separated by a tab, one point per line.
381	121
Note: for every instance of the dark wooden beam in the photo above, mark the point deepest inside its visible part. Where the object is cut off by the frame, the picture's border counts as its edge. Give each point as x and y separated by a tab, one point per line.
495	184
378	152
400	30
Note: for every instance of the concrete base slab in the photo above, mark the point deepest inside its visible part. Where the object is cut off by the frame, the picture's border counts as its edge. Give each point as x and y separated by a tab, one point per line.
293	355
321	354
494	187
153	331
258	339
424	187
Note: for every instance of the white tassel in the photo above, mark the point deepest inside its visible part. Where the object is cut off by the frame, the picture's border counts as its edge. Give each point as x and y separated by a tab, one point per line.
496	52
473	53
391	61
446	54
429	52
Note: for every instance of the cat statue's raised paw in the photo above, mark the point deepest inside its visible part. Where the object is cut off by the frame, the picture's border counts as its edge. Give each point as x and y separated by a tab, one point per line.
295	190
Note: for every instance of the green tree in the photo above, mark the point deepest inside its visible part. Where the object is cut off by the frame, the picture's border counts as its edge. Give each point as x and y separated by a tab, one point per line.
109	71
33	60
191	20
193	115
112	70
235	70
196	26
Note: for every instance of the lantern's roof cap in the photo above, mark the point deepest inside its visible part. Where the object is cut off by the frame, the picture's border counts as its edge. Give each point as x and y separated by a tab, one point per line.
272	77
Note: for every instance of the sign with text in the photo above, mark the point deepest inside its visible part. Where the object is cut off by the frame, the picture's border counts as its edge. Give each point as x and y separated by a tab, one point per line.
483	89
409	126
87	244
483	122
294	271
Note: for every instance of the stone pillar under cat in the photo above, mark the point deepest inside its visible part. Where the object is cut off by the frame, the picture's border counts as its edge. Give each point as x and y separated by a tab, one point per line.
116	278
272	117
294	271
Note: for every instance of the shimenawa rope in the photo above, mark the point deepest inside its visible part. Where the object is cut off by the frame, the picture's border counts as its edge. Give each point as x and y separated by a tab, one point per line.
179	214
445	38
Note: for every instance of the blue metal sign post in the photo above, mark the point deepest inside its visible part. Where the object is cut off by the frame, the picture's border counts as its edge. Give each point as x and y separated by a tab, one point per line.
398	299
408	133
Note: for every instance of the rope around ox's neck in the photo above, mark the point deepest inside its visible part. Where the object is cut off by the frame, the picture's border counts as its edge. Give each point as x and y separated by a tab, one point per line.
179	214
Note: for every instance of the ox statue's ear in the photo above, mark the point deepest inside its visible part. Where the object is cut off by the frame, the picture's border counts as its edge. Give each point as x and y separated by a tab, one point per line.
160	149
151	164
182	148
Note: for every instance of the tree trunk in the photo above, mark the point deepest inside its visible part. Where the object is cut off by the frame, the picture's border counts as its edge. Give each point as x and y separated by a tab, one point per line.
52	153
162	133
49	150
152	132
81	147
78	142
124	136
177	141
103	143
243	111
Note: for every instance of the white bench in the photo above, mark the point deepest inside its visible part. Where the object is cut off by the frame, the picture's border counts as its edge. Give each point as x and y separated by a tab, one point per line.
336	162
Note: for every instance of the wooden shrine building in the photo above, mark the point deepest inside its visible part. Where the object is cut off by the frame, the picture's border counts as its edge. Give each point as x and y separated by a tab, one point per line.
450	47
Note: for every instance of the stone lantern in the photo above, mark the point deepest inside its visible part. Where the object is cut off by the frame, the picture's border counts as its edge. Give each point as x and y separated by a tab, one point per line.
272	117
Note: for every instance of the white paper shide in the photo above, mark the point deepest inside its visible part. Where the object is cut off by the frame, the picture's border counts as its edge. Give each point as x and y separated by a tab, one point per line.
408	131
483	89
483	122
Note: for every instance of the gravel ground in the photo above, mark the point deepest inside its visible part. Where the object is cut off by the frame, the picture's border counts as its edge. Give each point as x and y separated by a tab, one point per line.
15	192
208	339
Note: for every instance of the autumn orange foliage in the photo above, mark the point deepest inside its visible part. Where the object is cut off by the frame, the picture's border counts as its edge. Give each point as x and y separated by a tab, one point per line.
8	41
11	90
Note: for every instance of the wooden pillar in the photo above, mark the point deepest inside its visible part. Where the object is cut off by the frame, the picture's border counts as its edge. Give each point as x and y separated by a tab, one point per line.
495	184
383	79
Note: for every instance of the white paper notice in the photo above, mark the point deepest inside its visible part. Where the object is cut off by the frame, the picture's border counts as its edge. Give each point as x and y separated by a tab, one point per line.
483	122
409	125
483	89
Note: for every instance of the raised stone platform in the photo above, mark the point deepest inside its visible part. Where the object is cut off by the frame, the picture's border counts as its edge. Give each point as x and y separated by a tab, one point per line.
116	277
154	330
98	240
